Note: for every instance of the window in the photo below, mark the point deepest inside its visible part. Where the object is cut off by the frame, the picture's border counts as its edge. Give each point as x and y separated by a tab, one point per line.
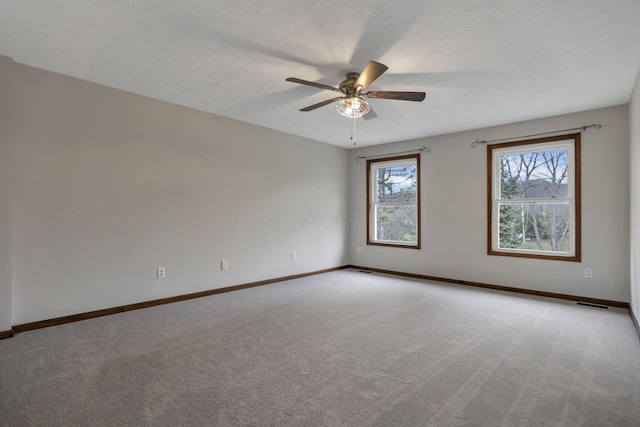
393	200
534	198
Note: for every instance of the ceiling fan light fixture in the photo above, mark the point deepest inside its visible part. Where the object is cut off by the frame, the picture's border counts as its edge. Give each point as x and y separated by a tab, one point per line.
353	107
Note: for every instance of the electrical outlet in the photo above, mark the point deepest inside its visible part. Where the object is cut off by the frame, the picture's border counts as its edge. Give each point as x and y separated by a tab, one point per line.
359	251
588	273
161	273
293	256
224	265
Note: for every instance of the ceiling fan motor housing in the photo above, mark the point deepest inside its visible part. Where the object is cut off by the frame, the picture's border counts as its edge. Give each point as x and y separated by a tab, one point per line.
347	86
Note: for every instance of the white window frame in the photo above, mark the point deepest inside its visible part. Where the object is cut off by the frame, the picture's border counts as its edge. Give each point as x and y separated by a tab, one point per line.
372	167
494	152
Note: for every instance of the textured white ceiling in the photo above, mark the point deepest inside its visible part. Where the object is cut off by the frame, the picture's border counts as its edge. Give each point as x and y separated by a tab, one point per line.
481	62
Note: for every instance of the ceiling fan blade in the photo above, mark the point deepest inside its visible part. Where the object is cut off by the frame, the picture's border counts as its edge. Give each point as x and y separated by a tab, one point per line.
370	115
403	96
314	84
372	71
321	104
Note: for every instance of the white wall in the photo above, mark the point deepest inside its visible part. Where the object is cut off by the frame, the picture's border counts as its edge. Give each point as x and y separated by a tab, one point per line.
634	116
6	65
454	211
108	185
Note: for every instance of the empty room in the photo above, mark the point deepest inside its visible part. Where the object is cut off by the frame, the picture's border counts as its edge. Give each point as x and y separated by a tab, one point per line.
319	213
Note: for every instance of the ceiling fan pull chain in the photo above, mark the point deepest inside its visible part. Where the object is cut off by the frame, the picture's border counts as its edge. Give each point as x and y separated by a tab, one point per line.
353	129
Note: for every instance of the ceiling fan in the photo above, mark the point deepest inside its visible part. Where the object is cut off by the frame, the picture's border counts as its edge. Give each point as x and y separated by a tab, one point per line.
354	88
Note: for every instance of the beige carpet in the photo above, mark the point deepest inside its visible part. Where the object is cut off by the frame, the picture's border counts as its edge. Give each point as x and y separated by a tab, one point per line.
339	349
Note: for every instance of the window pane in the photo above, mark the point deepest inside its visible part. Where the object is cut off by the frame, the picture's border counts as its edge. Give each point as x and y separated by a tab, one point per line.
534	175
396	184
535	226
396	223
534	202
393	200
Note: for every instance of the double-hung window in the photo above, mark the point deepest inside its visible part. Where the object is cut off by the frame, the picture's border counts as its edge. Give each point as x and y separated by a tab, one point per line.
393	200
534	198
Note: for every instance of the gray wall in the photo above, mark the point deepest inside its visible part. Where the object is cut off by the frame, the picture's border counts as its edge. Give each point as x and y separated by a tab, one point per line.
108	185
634	114
6	65
454	211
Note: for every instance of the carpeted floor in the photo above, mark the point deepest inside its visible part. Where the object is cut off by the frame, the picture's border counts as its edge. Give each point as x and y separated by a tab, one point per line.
340	349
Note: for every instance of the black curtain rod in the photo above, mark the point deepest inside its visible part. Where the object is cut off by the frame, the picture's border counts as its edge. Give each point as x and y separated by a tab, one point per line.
583	128
392	154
